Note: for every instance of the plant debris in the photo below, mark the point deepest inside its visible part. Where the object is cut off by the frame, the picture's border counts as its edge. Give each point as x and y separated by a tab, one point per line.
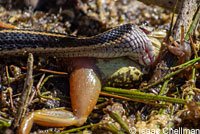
161	107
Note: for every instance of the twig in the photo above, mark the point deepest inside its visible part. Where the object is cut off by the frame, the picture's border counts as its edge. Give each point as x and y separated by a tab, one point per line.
184	64
10	90
182	34
37	87
80	128
26	91
172	40
193	46
113	129
49	71
143	96
8	76
161	110
128	99
42	84
7	26
172	21
167	76
119	120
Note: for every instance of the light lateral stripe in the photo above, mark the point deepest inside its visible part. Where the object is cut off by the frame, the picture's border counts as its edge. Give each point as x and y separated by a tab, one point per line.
34	32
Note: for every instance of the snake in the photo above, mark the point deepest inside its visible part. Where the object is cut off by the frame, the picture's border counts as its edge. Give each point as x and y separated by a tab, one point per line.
125	40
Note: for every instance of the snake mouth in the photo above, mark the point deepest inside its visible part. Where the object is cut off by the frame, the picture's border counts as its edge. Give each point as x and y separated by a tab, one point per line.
147	59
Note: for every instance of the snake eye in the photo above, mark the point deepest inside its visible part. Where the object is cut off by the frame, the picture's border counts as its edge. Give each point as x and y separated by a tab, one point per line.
146	30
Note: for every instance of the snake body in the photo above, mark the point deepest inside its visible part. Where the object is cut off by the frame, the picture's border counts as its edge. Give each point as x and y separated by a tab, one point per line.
125	40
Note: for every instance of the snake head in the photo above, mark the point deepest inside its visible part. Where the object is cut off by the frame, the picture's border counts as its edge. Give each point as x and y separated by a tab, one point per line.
156	37
152	49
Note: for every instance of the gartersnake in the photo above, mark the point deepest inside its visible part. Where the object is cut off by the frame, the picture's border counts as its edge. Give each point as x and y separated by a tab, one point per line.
125	40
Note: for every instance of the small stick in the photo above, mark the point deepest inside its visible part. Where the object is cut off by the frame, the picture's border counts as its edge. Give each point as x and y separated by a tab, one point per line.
49	71
193	46
28	84
7	75
37	87
6	26
182	34
11	100
131	99
172	40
